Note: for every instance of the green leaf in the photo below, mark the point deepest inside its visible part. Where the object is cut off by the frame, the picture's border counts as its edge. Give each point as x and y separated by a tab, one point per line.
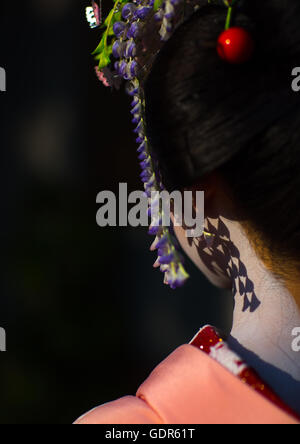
110	32
117	16
104	60
109	18
104	50
100	47
157	4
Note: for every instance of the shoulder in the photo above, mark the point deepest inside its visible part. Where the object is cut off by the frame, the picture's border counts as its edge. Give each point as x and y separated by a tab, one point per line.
189	387
126	410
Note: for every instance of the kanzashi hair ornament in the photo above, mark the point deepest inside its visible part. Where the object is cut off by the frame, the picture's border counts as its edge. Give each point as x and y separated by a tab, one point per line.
94	15
121	56
235	44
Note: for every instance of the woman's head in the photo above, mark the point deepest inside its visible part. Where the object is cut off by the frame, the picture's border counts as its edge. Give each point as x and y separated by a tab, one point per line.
239	122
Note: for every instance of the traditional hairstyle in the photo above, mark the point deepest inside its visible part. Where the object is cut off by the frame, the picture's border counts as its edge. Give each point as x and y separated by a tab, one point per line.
196	113
243	120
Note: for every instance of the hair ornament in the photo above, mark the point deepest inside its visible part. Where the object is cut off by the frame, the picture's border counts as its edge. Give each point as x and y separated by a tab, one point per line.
235	44
94	15
123	54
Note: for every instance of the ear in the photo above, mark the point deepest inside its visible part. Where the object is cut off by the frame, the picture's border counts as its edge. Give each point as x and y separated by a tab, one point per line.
211	185
218	197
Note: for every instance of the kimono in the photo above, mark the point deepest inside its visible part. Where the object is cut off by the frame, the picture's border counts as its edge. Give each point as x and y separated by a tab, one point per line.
203	382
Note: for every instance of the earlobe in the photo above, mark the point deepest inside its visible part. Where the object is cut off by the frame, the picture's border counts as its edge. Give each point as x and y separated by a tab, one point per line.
209	185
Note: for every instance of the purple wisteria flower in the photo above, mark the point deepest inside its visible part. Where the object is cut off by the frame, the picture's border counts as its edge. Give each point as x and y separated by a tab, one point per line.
133	30
118	49
165	16
124	49
119	29
128	11
130	49
142	12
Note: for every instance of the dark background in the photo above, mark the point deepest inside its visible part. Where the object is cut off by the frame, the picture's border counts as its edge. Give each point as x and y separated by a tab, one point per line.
86	316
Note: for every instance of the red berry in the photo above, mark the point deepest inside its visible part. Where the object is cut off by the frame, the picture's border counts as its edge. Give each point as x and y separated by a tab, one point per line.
235	45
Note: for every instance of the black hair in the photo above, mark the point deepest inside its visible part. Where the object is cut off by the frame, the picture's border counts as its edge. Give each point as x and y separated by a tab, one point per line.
203	114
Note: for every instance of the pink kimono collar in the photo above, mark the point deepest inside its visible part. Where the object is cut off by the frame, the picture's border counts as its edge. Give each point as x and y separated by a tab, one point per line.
203	382
209	341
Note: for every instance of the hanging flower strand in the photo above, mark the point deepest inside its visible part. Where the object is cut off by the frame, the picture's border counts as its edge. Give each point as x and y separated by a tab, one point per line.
169	259
122	32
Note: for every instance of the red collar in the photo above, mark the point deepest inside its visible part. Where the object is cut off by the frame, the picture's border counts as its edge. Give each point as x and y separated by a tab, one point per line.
209	341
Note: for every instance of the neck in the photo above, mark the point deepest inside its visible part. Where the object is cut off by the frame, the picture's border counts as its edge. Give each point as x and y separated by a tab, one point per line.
265	315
